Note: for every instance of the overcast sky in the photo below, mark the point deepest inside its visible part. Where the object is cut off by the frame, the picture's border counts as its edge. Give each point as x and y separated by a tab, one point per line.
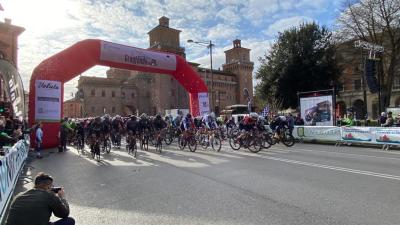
53	25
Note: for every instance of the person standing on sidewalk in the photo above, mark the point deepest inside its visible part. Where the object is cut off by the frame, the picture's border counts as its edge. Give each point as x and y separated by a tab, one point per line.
39	140
64	130
36	205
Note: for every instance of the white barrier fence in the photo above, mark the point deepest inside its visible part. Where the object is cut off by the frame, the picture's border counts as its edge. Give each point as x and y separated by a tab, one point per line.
10	166
368	135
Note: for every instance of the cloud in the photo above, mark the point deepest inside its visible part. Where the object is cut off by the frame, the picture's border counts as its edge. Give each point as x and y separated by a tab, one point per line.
284	24
222	31
52	26
229	15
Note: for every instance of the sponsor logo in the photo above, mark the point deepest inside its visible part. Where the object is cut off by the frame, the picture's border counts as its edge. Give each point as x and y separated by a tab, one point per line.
48	85
143	60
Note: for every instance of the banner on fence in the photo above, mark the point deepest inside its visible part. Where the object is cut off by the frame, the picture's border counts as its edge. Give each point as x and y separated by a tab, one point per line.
356	134
323	133
387	136
10	165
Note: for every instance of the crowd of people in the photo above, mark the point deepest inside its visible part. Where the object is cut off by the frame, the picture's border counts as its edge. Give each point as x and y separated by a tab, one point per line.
384	120
11	129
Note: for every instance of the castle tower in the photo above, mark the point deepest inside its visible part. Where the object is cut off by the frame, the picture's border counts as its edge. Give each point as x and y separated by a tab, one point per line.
238	62
168	93
9	41
165	38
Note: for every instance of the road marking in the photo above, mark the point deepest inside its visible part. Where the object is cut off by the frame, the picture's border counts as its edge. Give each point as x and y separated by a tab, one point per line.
340	153
343	169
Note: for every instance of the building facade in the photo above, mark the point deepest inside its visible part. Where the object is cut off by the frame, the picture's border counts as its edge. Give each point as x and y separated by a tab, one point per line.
73	108
9	41
125	92
350	95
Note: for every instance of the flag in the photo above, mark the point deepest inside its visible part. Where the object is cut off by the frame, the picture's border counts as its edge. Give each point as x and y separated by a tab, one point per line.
1	8
265	111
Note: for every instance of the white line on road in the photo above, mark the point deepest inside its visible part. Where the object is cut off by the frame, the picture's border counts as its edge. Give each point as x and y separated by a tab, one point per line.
340	153
362	172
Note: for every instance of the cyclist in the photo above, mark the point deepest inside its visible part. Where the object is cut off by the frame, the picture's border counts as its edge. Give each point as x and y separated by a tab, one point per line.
144	123
159	123
132	127
106	128
186	125
117	126
95	131
159	126
248	125
277	124
209	121
80	132
178	119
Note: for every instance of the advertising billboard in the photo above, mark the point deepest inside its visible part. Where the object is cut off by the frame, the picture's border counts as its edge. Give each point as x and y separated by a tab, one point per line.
317	111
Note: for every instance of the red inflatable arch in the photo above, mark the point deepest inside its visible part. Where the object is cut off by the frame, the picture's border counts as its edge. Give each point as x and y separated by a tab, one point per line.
48	78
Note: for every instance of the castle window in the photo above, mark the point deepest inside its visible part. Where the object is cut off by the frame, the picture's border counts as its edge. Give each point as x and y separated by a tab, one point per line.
103	93
113	109
123	94
133	95
357	84
93	109
113	94
93	92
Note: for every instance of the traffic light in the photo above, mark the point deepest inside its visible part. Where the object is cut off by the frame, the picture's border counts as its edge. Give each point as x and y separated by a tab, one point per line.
370	72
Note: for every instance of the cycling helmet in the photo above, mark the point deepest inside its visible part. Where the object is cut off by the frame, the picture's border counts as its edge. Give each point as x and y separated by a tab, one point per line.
212	114
189	115
143	115
133	117
158	117
254	115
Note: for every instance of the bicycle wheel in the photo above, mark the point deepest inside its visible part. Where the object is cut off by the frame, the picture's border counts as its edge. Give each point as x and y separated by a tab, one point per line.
216	144
288	139
168	138
204	141
234	143
192	144
108	146
135	151
181	142
266	140
146	144
97	152
92	151
256	145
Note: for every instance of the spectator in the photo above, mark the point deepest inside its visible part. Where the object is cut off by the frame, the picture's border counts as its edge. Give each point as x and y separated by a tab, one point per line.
36	205
290	122
382	118
397	123
10	126
64	130
389	120
298	120
349	121
39	140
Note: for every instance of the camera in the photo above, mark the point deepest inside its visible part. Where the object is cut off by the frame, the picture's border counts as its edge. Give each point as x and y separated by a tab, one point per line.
55	189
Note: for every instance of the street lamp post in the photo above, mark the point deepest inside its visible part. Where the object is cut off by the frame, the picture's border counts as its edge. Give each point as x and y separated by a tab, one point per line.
209	45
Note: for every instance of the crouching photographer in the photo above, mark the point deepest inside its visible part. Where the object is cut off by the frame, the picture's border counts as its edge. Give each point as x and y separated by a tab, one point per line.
35	206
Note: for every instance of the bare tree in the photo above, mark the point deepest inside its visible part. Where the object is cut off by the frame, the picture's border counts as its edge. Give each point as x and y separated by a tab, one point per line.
376	21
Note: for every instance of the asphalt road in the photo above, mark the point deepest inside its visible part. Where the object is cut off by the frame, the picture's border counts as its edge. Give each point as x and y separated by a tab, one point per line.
306	184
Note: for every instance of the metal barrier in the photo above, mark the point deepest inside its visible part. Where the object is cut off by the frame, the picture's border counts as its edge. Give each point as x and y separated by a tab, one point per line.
385	136
11	165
